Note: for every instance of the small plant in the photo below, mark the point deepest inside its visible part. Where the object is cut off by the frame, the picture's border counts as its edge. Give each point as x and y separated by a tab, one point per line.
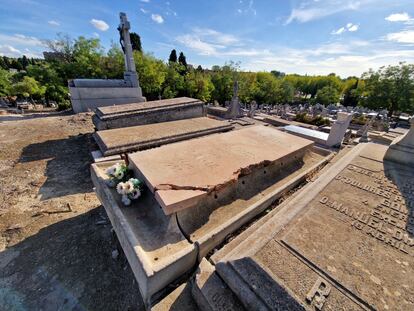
120	176
130	190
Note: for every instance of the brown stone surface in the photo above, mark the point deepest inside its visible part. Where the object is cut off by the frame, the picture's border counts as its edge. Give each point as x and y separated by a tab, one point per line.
349	235
184	173
141	137
136	107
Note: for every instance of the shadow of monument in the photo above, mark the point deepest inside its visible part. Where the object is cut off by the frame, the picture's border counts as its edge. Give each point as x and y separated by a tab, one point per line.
68	266
67	170
254	287
402	176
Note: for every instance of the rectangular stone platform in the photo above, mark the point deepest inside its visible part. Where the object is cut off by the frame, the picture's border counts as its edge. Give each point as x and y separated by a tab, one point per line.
156	249
344	242
153	242
148	112
189	173
143	137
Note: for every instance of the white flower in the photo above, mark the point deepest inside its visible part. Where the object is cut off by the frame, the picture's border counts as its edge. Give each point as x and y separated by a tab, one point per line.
111	170
135	194
120	188
119	174
126	200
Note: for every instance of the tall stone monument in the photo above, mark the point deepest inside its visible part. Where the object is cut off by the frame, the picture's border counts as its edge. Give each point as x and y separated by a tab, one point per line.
88	94
235	109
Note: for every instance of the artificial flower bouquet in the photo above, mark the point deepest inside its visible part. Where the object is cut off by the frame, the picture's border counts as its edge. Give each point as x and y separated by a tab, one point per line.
120	176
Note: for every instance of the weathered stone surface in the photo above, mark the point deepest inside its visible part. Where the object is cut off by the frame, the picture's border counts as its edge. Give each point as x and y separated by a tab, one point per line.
148	112
157	251
345	242
209	224
179	300
211	293
142	137
183	174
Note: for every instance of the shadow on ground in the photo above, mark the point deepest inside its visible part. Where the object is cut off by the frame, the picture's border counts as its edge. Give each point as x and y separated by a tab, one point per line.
67	170
68	266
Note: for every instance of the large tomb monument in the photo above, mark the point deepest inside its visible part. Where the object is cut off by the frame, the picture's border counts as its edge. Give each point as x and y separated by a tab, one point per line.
88	94
198	192
148	112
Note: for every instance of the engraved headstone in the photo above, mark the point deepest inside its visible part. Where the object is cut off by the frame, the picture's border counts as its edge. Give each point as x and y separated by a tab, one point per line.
344	242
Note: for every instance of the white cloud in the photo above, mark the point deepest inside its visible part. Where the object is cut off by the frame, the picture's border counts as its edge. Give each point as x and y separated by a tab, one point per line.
10	51
53	23
404	36
95	34
338	32
99	24
19	39
144	11
206	41
398	17
353	28
215	36
145	1
349	27
312	10
157	18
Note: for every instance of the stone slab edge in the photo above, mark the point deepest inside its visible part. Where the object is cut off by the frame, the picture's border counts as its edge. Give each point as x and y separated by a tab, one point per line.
157	142
149	279
132	113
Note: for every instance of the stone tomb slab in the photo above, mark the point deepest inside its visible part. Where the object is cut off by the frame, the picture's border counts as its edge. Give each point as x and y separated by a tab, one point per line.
143	137
156	111
157	251
344	242
183	174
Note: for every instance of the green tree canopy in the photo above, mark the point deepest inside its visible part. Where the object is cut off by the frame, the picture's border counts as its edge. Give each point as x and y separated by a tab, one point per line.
135	42
390	87
327	95
173	56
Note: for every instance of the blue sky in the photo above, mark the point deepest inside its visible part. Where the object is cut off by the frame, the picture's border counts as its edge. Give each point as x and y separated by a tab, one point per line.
299	36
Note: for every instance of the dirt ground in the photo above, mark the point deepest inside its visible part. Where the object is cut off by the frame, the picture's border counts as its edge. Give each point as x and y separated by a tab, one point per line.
56	241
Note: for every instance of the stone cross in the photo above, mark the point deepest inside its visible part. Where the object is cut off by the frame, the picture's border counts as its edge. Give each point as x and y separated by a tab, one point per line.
236	89
125	41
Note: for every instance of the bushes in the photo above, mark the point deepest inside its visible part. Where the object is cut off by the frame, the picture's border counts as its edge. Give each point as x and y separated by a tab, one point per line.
305	118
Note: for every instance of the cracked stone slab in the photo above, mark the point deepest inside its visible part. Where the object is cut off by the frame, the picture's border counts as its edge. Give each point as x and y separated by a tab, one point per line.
134	138
183	174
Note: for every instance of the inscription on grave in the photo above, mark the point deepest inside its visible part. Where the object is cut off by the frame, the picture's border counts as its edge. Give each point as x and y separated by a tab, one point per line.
318	293
390	219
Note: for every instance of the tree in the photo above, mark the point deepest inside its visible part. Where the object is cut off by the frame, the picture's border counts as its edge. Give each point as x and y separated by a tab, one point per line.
327	95
182	60
152	73
223	79
5	83
173	57
390	87
199	85
28	87
25	62
135	41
